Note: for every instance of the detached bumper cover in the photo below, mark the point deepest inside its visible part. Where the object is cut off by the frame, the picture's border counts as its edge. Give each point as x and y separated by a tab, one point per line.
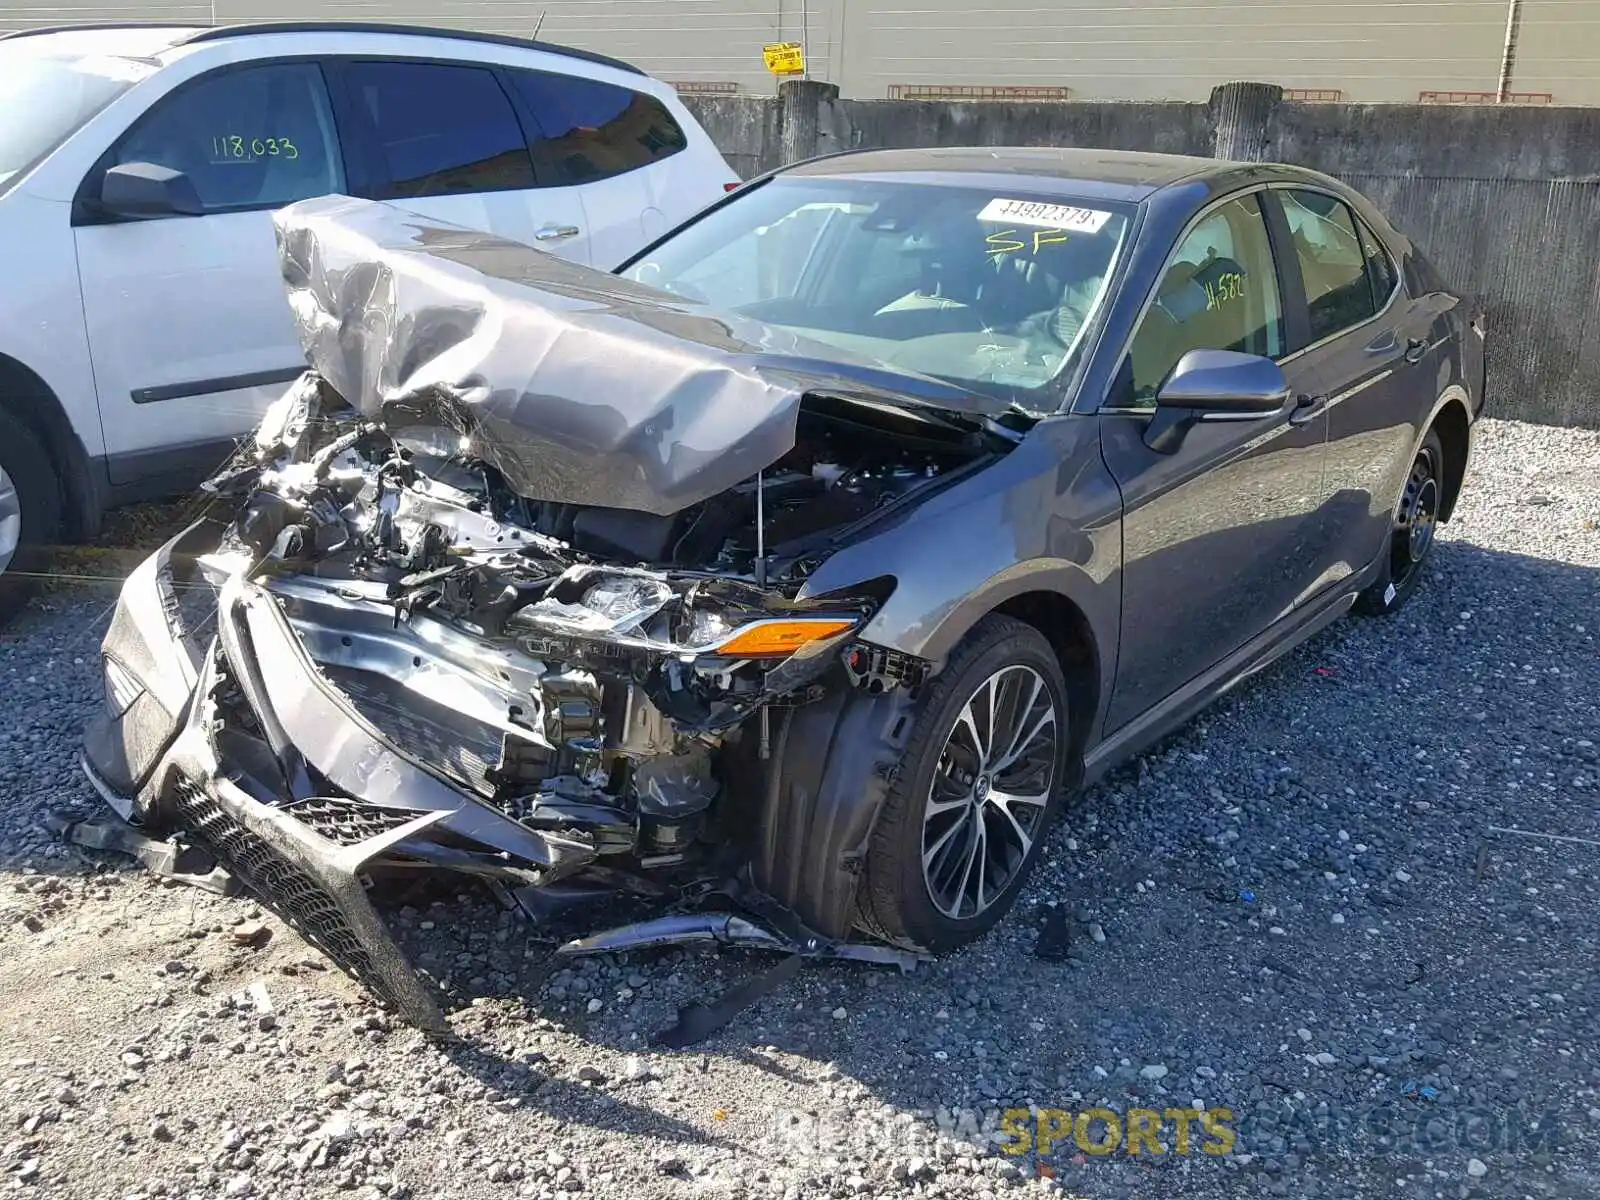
303	876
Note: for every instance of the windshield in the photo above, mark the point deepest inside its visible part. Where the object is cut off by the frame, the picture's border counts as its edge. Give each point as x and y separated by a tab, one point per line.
44	100
993	292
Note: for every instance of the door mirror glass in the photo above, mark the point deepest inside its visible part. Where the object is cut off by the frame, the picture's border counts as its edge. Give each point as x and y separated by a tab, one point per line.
1224	383
141	190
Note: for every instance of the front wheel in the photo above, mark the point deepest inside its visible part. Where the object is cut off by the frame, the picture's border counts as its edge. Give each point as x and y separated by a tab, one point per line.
1411	533
30	512
980	782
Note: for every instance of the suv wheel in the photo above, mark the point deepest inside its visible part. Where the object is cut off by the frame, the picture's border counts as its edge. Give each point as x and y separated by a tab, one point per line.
978	788
30	512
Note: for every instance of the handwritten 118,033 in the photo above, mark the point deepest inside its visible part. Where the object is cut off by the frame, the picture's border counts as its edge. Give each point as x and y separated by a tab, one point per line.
233	147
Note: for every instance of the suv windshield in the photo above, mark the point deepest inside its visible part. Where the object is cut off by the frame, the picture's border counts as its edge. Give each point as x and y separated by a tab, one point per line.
45	99
992	292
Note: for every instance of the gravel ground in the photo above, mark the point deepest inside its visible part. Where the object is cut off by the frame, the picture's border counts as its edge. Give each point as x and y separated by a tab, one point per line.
1296	910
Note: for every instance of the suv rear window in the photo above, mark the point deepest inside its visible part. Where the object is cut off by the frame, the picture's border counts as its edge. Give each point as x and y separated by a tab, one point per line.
590	130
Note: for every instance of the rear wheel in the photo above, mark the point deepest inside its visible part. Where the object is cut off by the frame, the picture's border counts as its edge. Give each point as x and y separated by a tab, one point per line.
979	785
1412	532
30	513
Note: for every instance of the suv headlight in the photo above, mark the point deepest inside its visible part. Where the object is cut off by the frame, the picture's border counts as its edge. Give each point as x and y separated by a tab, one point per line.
122	689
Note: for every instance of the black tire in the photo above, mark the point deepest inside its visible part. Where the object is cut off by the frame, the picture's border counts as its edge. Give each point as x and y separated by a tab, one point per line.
897	899
32	480
1411	532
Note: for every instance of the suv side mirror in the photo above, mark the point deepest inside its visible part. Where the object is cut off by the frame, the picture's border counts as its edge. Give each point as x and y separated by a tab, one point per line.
140	190
1215	385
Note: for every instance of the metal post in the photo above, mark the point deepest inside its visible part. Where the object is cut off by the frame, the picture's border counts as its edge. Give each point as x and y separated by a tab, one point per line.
805	37
1508	58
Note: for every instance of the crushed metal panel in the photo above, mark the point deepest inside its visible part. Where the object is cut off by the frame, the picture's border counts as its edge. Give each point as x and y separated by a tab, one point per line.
578	386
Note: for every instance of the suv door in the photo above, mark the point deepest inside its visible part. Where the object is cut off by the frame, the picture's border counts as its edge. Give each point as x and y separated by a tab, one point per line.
1369	352
1214	533
603	138
189	334
444	140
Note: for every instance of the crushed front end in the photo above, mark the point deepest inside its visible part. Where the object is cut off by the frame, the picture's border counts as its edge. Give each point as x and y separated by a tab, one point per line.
388	661
518	581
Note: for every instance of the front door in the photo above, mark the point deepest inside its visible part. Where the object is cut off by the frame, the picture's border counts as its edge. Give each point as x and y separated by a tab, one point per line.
1215	533
189	332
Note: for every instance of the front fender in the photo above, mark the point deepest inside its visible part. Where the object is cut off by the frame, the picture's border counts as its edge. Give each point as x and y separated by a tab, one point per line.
1046	518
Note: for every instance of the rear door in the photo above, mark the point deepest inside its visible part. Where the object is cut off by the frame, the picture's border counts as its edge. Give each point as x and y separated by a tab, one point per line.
603	139
444	140
1369	353
1214	533
189	333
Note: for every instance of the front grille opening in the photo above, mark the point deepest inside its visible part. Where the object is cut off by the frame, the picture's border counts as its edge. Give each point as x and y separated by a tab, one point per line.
347	822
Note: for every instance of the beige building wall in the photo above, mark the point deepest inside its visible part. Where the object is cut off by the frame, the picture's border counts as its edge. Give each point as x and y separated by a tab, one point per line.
1364	50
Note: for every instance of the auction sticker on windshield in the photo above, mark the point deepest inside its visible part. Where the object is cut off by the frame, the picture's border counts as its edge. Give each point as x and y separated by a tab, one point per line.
1049	216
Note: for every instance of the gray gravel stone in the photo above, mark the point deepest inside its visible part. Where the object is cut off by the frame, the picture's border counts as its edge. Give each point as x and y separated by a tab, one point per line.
1357	778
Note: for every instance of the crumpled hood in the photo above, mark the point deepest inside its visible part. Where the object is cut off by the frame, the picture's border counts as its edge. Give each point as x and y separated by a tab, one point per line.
580	387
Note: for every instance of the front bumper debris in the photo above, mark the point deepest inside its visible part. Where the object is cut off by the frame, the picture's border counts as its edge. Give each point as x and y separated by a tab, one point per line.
265	774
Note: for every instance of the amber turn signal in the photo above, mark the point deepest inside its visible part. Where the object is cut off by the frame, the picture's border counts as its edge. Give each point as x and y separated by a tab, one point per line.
777	639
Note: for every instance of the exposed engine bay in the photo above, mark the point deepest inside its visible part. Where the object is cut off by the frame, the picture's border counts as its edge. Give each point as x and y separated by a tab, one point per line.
548	655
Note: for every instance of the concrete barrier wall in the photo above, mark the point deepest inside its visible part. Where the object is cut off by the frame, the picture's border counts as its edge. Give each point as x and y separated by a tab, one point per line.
1505	201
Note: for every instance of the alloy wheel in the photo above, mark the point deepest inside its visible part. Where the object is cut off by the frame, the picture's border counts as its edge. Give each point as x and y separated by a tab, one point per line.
990	791
10	520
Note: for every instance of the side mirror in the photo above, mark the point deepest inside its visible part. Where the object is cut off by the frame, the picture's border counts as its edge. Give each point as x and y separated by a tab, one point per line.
141	190
1215	385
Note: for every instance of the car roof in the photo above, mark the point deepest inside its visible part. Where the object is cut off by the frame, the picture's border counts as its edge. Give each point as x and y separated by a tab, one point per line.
117	41
1124	174
143	39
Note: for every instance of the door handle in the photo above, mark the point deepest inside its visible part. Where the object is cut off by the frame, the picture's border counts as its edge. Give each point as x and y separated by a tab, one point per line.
1307	408
555	233
1415	349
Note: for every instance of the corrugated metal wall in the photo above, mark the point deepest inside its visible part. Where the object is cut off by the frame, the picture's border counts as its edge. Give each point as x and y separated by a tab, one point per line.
1367	50
1529	248
1177	49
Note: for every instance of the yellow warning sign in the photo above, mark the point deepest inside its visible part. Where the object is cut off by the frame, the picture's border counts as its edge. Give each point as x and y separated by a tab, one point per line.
784	58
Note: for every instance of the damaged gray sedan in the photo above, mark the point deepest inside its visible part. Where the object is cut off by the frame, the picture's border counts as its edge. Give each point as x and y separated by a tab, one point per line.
788	579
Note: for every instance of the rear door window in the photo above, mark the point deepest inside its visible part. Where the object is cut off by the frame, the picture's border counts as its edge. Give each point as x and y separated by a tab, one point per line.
588	130
1380	267
1333	262
439	129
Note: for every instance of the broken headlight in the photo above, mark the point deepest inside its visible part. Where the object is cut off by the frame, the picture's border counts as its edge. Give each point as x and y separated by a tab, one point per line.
777	637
